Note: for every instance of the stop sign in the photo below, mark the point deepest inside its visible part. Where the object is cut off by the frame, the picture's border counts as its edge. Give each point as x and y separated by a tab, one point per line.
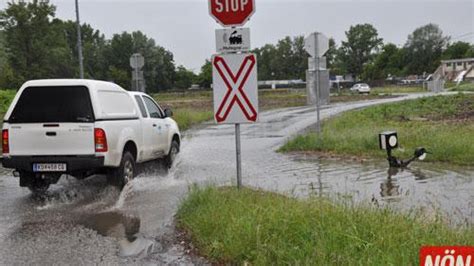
231	12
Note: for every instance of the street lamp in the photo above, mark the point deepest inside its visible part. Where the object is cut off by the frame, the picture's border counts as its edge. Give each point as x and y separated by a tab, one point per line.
389	140
79	42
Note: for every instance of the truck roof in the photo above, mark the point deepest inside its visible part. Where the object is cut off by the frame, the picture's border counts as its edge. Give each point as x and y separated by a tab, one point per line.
91	84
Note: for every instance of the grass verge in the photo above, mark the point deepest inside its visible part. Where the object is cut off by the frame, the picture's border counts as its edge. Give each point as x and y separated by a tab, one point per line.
464	87
194	107
397	89
443	124
236	227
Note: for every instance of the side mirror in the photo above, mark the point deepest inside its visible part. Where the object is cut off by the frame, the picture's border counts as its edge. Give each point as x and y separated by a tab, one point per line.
168	112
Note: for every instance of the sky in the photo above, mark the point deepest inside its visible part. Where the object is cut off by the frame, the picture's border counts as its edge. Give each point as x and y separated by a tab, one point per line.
185	28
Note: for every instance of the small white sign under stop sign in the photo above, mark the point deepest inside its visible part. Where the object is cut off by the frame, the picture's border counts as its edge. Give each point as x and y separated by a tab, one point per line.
233	40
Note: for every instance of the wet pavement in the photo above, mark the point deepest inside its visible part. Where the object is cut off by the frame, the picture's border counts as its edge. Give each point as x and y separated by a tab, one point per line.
87	222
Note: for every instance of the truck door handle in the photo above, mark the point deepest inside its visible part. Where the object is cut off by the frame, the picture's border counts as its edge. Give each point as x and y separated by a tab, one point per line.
51	134
154	125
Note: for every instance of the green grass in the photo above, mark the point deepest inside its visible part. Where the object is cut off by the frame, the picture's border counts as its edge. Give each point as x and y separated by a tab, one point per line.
6	97
397	89
193	107
464	87
443	124
186	118
238	227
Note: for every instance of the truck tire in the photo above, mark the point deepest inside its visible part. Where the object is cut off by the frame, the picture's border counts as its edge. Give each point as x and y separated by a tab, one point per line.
123	174
37	186
170	158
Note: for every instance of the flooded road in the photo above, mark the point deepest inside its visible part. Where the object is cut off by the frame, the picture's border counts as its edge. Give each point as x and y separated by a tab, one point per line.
87	222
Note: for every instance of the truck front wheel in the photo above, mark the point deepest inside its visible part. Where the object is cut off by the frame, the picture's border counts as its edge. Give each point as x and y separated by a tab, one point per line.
124	173
170	158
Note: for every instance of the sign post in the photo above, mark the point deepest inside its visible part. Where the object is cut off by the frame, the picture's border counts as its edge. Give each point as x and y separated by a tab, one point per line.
316	44
137	61
234	70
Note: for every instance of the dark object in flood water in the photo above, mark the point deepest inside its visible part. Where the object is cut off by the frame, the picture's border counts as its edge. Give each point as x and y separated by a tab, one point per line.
388	141
420	153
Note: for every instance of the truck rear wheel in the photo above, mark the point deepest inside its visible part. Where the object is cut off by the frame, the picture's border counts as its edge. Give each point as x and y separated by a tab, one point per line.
124	173
39	186
35	185
170	158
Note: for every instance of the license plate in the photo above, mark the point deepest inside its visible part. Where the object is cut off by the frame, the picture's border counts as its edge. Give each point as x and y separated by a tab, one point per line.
49	167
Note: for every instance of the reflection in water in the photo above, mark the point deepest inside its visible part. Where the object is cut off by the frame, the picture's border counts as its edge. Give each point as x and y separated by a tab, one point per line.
431	188
124	228
389	188
114	224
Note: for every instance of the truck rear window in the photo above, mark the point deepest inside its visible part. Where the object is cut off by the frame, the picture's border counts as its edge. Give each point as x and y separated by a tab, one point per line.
53	104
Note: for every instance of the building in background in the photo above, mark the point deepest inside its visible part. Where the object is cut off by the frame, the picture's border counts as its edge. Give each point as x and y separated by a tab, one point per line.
457	70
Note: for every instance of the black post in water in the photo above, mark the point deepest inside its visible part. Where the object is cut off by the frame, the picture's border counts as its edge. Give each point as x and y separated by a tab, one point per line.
239	160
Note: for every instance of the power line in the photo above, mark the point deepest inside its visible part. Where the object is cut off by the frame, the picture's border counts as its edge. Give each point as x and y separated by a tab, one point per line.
462	36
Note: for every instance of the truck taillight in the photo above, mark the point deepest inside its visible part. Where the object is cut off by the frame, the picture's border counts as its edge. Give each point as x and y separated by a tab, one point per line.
5	142
100	140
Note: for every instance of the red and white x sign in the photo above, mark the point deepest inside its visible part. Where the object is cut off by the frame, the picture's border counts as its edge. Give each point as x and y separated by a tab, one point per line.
235	88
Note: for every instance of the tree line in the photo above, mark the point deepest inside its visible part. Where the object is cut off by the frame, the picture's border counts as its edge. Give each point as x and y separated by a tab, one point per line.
35	44
364	55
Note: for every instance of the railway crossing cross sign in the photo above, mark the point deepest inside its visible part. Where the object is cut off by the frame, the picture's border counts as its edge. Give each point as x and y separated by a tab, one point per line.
235	88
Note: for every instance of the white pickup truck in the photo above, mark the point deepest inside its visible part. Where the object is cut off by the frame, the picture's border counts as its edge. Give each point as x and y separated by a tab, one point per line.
82	128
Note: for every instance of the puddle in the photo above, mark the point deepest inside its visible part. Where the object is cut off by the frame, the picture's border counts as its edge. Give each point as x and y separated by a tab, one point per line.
114	224
433	189
125	229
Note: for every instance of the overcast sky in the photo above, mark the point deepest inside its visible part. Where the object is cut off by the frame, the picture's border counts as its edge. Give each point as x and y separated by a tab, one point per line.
185	28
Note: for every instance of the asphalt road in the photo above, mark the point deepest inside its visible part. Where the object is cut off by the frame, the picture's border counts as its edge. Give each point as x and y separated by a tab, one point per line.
87	222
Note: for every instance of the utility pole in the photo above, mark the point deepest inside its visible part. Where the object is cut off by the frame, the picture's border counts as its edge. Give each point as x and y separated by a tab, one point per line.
79	41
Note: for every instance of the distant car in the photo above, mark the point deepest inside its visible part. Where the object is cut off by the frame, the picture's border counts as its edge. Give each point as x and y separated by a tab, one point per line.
361	88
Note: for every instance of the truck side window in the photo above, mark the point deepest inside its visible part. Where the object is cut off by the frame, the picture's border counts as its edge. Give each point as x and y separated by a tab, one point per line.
141	105
153	109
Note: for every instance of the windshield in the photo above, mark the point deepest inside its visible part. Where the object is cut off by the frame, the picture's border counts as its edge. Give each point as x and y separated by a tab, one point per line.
53	104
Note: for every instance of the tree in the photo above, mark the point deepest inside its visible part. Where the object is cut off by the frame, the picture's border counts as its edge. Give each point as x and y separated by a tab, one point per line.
286	60
159	69
266	57
424	48
389	62
35	49
7	76
204	79
360	47
331	53
458	50
93	47
184	78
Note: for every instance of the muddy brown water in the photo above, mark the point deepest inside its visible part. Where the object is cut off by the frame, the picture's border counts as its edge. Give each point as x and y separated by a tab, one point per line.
88	222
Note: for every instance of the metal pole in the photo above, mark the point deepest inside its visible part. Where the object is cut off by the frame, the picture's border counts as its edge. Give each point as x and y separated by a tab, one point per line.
79	42
318	82
137	81
239	160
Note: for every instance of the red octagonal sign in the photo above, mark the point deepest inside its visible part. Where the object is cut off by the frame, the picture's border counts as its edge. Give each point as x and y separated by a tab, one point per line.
231	12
